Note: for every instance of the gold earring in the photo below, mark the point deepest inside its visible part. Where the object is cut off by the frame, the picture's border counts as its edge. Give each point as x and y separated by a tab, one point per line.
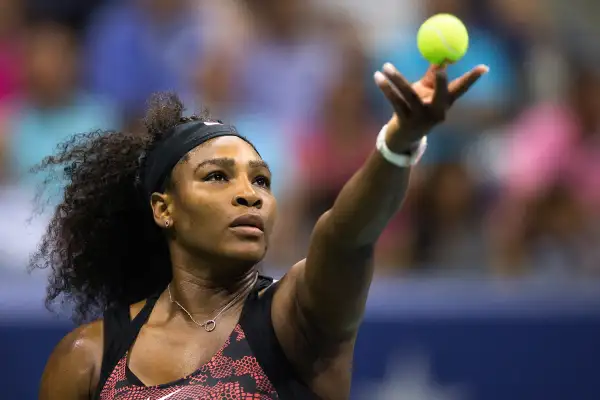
167	223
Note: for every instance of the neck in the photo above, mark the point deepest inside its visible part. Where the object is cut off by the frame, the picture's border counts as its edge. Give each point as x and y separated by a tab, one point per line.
202	292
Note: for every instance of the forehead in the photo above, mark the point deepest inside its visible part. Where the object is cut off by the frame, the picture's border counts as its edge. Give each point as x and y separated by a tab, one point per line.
224	147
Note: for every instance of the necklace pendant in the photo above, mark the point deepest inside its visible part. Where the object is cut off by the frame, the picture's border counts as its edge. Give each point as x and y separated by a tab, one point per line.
210	325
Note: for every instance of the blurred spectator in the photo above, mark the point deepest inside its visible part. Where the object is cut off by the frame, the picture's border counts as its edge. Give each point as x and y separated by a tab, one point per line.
277	67
18	237
338	144
52	107
559	144
552	181
11	30
549	235
137	47
518	24
20	232
441	231
4	154
330	149
72	13
530	33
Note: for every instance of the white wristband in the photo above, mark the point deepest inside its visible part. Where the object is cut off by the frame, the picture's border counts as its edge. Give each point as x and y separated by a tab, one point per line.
400	160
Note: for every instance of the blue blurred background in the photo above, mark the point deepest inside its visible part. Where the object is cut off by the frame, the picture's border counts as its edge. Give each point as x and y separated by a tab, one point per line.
487	280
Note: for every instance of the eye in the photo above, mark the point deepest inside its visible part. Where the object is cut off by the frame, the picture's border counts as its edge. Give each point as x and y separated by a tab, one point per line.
263	181
216	177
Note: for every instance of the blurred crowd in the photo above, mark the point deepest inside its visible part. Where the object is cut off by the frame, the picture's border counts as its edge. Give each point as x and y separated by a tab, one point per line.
510	185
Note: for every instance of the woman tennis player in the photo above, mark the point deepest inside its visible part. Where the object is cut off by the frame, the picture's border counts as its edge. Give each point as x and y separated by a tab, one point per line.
161	232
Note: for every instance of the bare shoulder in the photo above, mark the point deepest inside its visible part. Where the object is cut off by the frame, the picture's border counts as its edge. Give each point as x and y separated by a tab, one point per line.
73	369
323	361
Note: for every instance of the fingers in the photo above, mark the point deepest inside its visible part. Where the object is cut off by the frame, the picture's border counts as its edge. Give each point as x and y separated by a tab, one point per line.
400	105
461	85
414	99
429	78
403	86
440	95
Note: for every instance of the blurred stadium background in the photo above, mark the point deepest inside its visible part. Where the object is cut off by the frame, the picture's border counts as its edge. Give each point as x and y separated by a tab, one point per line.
487	281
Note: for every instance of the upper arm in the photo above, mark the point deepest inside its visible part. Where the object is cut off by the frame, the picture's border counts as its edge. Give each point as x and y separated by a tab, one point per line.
319	304
73	369
333	282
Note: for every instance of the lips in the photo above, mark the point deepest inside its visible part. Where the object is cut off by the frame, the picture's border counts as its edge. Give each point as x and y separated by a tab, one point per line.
249	220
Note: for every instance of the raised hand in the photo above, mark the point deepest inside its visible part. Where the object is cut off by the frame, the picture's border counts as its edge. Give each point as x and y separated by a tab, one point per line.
420	106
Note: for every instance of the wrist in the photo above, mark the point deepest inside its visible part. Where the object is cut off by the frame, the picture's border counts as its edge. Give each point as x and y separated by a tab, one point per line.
396	141
410	154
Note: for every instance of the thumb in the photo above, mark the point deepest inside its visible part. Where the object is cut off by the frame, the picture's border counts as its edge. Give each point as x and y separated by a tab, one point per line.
393	124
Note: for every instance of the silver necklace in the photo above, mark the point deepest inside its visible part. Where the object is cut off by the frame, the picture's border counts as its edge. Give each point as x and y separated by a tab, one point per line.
211	324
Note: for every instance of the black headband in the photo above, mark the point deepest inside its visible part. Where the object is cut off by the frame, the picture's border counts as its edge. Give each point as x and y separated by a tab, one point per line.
169	151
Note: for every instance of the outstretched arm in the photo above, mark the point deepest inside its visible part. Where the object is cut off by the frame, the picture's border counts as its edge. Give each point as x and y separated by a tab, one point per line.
325	294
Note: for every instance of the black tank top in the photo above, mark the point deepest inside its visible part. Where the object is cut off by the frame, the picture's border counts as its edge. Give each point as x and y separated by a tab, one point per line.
249	366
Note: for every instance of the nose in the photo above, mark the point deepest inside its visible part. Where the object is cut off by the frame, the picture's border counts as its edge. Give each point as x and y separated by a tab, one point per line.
247	198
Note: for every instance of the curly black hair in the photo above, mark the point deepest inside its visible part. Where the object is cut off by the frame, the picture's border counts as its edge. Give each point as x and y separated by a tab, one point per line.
102	244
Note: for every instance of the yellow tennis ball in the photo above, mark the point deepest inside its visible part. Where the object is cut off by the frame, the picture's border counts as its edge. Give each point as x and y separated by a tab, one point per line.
443	38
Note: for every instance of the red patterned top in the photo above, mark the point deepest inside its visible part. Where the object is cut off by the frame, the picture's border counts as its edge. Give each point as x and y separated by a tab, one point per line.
232	374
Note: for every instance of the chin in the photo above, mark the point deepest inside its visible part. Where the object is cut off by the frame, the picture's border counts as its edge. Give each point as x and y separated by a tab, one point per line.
246	252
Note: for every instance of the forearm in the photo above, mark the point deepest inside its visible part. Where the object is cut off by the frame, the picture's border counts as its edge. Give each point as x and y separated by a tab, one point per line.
367	202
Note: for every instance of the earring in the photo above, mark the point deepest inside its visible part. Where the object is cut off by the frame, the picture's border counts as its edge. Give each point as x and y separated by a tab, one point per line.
167	223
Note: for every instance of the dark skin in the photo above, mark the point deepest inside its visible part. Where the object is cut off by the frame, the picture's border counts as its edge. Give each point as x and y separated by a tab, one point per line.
319	304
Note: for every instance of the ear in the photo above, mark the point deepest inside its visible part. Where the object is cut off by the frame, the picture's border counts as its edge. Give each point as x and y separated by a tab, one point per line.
161	209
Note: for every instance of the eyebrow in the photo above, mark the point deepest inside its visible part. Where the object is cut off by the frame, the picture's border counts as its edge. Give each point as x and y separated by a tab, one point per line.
230	162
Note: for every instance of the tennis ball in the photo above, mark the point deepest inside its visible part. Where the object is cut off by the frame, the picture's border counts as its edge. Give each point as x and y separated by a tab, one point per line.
443	38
